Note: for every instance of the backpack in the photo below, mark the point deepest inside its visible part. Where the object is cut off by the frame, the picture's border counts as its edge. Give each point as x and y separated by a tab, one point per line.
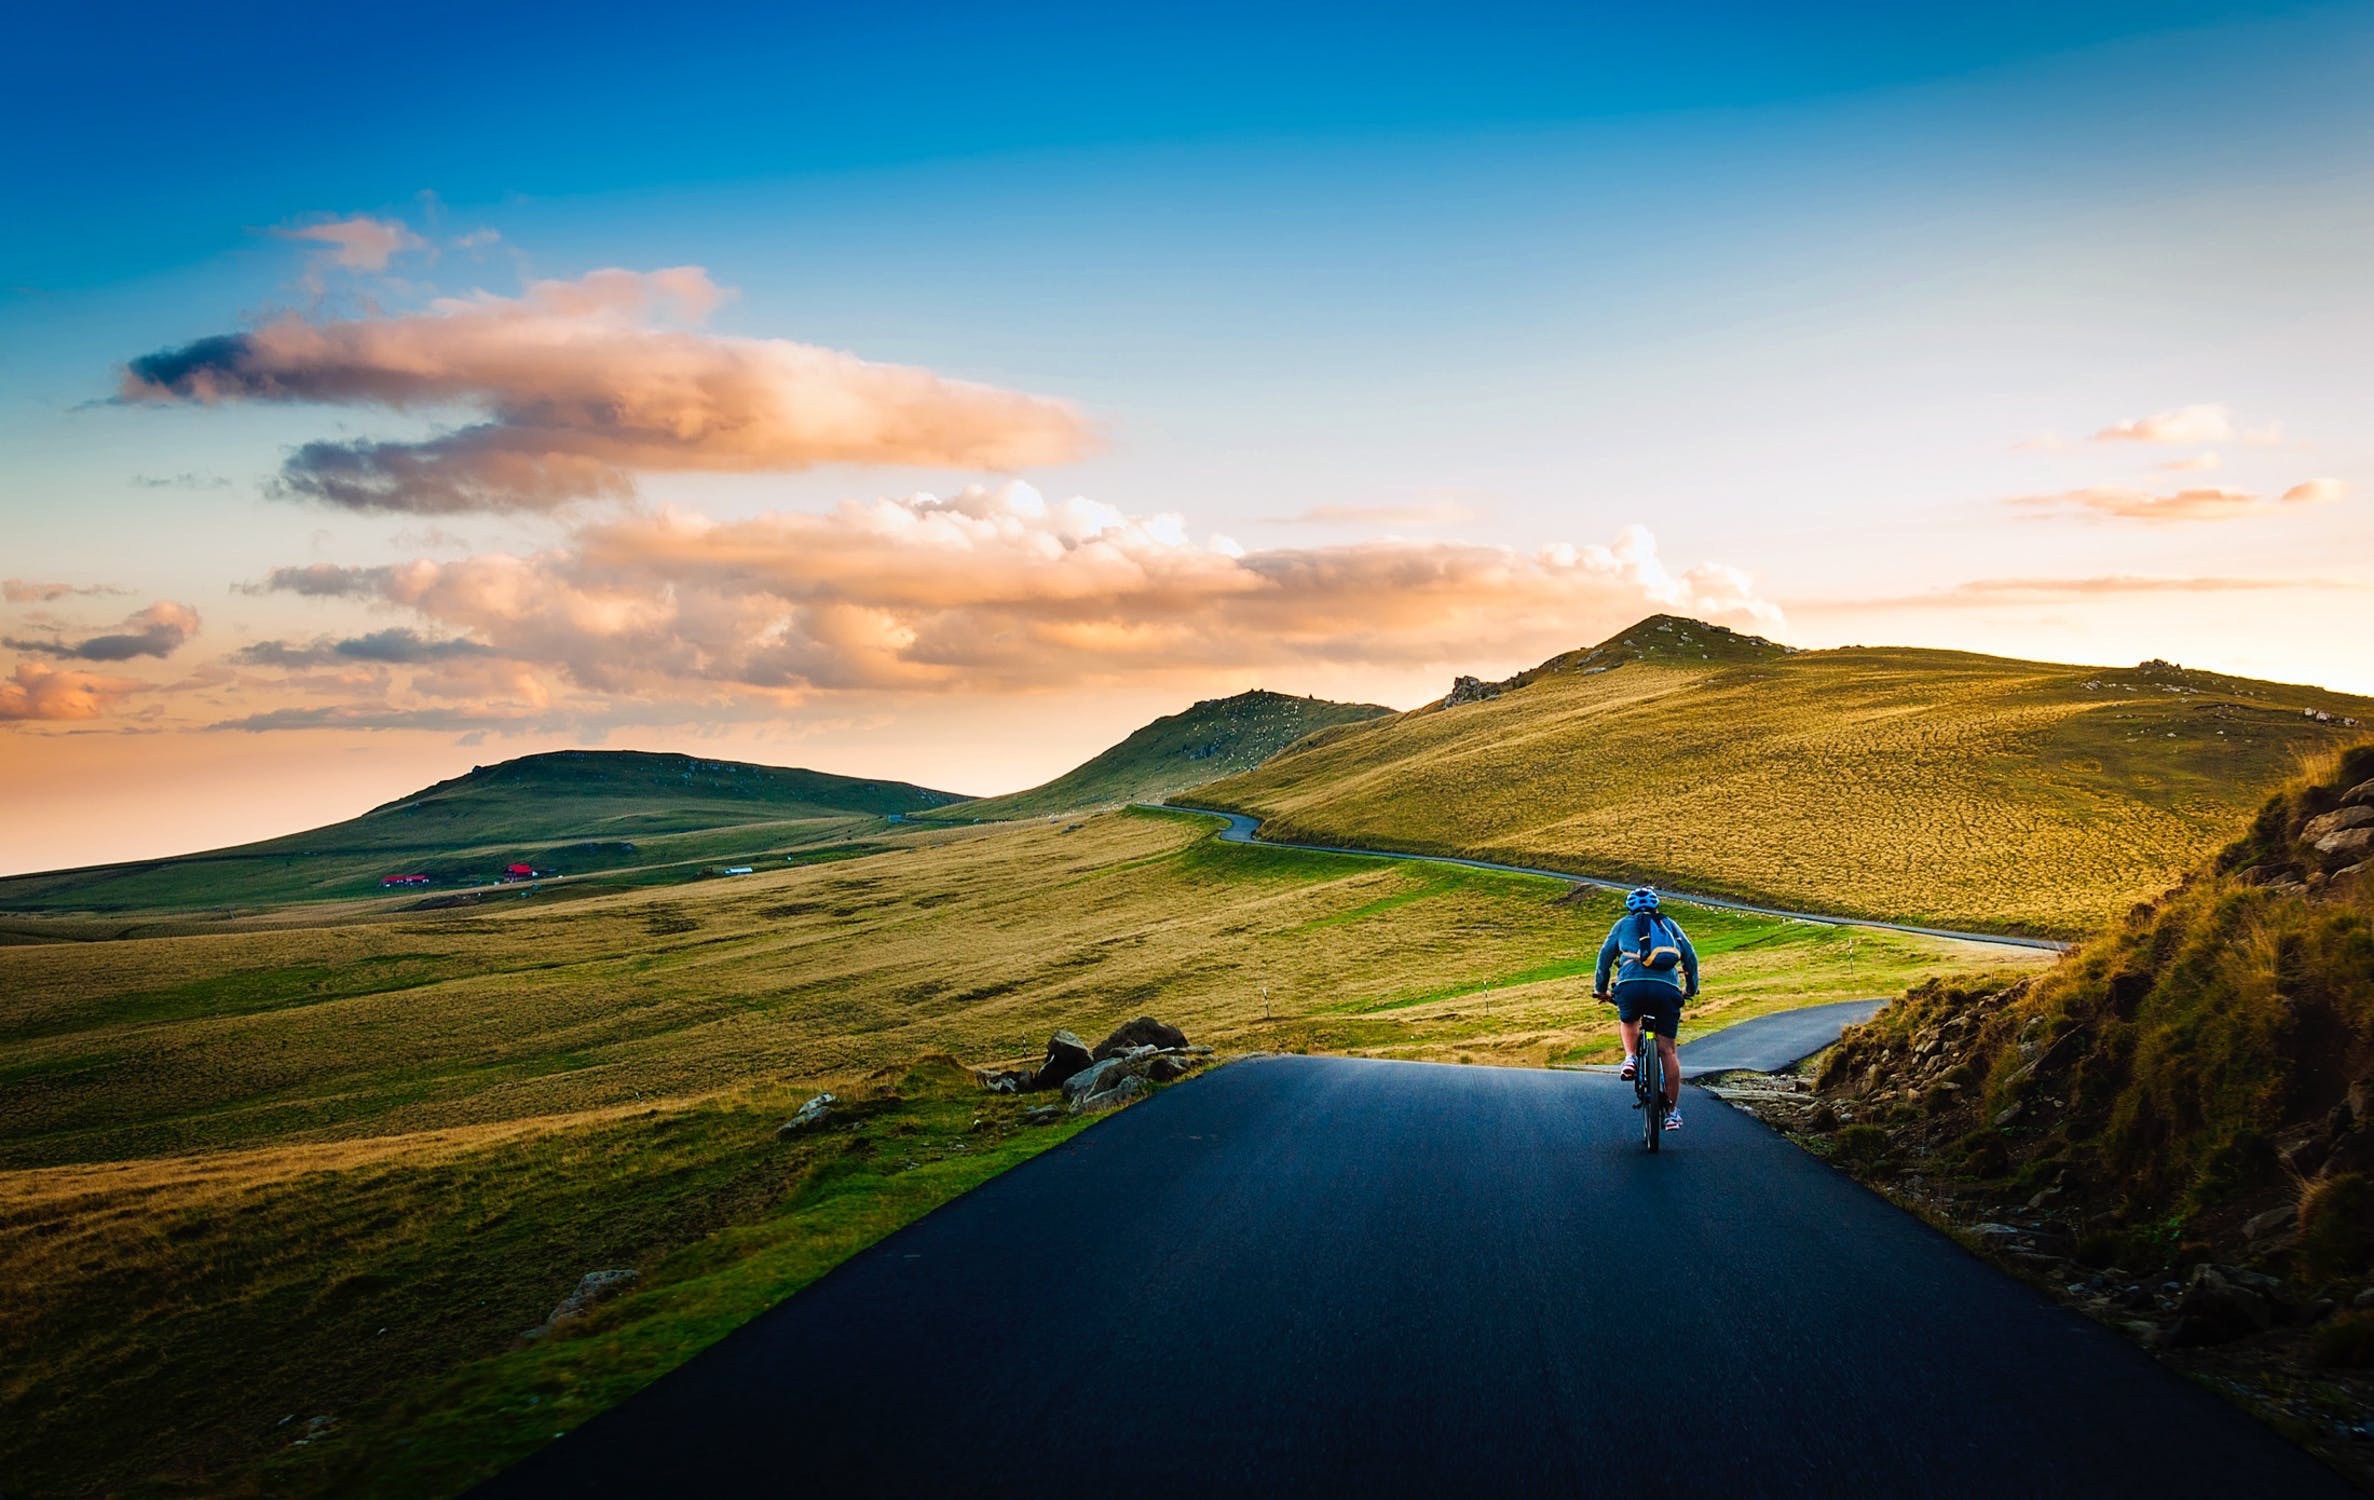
1657	957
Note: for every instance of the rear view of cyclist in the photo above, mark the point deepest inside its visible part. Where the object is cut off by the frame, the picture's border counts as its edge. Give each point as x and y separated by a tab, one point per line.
1655	970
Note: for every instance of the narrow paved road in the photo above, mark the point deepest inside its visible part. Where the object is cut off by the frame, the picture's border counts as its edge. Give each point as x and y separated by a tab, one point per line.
1245	830
1769	1043
1339	1276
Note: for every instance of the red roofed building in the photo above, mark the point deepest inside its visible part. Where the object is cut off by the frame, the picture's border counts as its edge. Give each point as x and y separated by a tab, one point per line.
520	872
391	880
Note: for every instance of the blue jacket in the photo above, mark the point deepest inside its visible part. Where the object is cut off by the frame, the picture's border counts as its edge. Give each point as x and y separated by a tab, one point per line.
1622	954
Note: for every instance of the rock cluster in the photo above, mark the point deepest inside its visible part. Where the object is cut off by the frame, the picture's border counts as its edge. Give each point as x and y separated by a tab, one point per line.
593	1288
1469	690
808	1117
1139	1053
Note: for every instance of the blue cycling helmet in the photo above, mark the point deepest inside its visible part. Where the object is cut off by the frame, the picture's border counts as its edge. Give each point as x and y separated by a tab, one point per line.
1641	899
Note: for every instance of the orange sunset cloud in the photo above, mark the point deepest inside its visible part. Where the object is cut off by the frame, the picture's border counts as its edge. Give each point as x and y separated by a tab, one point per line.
583	385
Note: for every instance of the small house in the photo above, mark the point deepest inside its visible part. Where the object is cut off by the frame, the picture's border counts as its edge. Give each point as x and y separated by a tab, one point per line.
737	869
519	872
389	882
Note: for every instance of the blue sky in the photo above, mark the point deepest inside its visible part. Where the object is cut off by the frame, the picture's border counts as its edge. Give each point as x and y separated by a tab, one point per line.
1835	298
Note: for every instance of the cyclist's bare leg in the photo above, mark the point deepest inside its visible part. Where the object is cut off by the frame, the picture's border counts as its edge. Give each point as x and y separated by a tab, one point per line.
1673	1070
1630	1032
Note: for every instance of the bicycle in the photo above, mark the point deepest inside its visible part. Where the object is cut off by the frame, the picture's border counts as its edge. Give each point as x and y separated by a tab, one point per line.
1648	1088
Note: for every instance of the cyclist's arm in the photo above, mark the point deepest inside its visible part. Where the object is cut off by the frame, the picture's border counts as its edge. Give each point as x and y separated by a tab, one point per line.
1607	960
1689	964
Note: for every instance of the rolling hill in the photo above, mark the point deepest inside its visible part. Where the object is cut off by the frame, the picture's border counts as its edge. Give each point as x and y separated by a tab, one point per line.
1217	737
1939	787
574	811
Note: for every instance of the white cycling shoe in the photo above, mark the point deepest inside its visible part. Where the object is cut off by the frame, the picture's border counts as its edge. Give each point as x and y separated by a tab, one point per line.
1630	1070
1673	1117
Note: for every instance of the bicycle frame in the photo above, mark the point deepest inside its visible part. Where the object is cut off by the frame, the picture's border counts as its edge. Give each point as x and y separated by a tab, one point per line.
1648	1085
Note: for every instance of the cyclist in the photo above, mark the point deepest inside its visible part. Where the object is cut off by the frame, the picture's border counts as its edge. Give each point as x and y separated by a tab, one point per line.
1655	970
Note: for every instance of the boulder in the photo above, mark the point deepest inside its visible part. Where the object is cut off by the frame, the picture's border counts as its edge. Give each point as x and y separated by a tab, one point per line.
2347	847
2267	1231
1066	1056
1144	1031
2218	1307
1042	1114
1469	690
593	1287
1129	1086
1091	1078
2337	821
2359	795
1168	1066
810	1115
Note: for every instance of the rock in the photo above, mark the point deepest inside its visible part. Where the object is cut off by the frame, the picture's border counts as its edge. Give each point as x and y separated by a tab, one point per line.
2217	1308
593	1288
1995	1232
1144	1031
2359	795
1469	690
2272	1224
1129	1087
1168	1067
2346	847
810	1115
2337	821
1066	1056
2363	1299
1091	1078
1000	1083
1042	1114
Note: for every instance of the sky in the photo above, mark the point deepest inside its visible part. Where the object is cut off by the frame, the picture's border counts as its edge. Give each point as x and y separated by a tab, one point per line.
940	392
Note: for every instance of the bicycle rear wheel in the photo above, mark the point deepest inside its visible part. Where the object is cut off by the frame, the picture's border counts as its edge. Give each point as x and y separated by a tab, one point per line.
1652	1093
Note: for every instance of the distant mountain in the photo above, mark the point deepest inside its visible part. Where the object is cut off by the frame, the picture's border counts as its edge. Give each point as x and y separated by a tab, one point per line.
1217	737
1935	786
570	811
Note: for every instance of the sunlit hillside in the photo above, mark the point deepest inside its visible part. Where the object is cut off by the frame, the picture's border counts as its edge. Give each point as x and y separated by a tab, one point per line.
1939	787
431	1125
573	812
1215	738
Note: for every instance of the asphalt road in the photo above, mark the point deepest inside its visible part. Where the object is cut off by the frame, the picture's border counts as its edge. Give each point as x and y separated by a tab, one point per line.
1337	1276
1246	830
1769	1043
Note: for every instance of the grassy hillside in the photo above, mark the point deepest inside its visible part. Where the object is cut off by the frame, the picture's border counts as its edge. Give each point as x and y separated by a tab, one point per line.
574	811
332	1172
1938	787
1217	737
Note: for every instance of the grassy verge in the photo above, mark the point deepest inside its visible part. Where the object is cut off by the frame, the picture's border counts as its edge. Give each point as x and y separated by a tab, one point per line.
250	1174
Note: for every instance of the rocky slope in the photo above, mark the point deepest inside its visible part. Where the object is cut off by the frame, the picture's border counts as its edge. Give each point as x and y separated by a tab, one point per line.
2174	1128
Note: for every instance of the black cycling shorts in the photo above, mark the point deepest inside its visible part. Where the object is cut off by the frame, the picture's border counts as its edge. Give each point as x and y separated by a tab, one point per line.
1659	1005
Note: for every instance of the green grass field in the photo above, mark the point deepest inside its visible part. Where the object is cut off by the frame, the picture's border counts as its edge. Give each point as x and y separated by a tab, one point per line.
1217	737
230	1158
1935	787
622	816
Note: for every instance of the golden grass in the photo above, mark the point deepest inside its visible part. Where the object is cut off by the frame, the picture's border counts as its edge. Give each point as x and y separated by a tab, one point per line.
230	1159
1924	786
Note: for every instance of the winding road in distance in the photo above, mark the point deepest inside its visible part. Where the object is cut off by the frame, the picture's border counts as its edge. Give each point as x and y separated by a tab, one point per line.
1341	1276
1242	829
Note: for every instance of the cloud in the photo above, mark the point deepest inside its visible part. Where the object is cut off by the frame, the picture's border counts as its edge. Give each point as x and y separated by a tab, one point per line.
182	481
26	591
2314	491
2198	463
357	243
37	692
394	647
2190	426
159	630
1002	590
2208	504
360	717
1441	513
1982	592
319	581
583	385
